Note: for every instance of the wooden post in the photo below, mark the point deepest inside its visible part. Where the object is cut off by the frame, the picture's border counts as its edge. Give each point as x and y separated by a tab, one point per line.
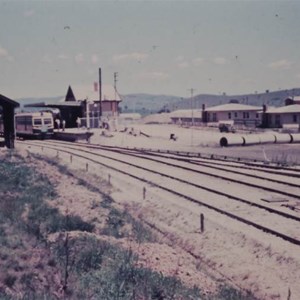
144	193
109	176
86	167
71	158
202	223
57	153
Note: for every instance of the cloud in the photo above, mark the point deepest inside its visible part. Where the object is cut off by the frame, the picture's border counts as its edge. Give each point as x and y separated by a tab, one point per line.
179	58
155	75
28	13
63	56
4	54
94	59
280	64
79	58
183	64
47	59
138	56
220	61
198	61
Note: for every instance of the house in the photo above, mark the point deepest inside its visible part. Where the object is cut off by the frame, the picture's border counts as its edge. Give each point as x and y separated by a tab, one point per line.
292	100
284	117
186	117
233	113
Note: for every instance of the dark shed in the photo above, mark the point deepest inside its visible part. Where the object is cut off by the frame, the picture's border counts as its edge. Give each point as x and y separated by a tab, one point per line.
8	111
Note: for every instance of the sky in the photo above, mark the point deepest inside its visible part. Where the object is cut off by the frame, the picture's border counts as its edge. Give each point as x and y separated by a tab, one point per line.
156	47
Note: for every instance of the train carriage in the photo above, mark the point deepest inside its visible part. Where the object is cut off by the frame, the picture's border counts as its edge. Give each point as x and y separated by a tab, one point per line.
34	125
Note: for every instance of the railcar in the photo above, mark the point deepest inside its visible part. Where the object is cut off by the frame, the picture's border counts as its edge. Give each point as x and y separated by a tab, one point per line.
34	125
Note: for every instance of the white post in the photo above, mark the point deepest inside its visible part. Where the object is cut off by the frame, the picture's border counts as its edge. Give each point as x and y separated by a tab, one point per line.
87	114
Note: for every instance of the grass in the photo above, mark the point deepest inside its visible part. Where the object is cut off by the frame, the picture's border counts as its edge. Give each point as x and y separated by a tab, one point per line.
89	267
121	224
105	271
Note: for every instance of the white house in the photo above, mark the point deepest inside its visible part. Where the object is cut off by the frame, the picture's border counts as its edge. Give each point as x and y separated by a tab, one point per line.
235	113
187	117
284	117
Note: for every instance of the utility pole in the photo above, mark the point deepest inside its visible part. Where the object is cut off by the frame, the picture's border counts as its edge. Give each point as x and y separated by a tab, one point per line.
100	94
192	109
115	84
87	113
192	106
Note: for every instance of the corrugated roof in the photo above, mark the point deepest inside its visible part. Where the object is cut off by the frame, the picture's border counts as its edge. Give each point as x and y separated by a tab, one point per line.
294	108
82	92
234	107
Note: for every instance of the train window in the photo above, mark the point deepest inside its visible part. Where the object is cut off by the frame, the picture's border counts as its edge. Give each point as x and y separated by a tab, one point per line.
28	121
48	121
37	122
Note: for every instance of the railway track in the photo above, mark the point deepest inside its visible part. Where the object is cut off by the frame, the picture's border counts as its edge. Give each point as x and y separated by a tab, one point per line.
262	217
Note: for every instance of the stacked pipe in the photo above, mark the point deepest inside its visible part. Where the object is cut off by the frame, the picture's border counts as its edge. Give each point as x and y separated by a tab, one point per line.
254	139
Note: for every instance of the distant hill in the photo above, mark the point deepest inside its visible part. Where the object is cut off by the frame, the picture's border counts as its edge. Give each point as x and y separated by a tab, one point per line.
154	103
147	103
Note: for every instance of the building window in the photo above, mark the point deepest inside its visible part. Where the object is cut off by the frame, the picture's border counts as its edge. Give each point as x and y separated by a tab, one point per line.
256	116
246	115
295	118
214	117
235	114
229	115
277	120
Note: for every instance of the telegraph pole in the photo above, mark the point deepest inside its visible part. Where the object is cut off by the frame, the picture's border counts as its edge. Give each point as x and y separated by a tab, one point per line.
100	94
192	109
192	106
115	84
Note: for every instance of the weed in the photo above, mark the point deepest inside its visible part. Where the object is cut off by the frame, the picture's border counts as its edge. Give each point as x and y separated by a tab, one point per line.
115	226
10	280
230	293
106	202
27	278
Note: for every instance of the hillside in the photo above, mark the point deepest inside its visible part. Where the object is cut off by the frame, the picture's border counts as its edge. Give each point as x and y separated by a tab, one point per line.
147	103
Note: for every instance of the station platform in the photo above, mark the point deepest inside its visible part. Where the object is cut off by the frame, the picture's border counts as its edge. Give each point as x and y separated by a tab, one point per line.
71	135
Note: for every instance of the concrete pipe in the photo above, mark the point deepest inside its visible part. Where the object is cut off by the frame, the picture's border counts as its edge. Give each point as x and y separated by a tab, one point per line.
232	140
251	139
267	138
295	137
283	138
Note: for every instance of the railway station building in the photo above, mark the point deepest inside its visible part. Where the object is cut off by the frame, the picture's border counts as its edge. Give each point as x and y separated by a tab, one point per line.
82	102
7	120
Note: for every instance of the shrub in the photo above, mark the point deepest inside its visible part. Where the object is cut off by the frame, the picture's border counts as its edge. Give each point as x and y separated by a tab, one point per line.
10	280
